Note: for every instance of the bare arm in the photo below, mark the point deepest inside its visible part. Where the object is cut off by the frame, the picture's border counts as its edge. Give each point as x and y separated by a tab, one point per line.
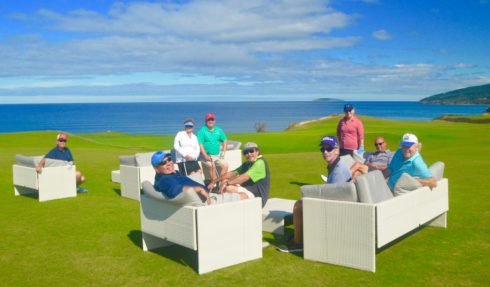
204	154
430	182
40	165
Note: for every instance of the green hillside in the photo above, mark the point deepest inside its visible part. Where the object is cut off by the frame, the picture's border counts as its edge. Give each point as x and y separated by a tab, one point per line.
95	238
477	95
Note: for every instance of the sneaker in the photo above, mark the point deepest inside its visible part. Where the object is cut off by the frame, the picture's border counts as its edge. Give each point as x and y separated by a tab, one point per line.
324	178
82	190
291	247
265	244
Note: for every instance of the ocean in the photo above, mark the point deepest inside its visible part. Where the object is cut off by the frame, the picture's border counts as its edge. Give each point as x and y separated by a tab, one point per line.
232	117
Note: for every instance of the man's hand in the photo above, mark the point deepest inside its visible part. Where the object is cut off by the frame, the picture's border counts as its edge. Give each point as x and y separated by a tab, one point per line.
39	168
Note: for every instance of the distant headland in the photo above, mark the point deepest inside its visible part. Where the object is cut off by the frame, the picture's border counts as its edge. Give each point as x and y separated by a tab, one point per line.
476	95
330	100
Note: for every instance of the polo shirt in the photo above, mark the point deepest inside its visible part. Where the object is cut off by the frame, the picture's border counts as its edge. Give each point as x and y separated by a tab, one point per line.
349	132
59	154
380	157
338	172
414	166
172	184
211	139
259	182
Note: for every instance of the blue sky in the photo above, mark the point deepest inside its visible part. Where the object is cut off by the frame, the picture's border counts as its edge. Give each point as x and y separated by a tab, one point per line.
125	51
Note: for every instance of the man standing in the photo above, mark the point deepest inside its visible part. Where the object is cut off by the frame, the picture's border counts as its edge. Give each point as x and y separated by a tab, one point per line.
407	159
61	152
252	178
350	132
338	172
213	142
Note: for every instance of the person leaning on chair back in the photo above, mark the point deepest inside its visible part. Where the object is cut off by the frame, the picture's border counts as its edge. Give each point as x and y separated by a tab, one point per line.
187	149
377	160
407	159
350	132
61	152
338	172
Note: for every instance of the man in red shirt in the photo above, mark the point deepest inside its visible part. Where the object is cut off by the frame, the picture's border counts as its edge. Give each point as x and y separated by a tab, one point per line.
350	132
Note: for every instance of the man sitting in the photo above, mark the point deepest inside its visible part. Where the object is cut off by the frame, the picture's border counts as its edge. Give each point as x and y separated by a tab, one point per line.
338	172
378	160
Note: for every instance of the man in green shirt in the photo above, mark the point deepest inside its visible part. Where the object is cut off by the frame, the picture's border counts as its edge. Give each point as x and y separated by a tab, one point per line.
213	142
251	179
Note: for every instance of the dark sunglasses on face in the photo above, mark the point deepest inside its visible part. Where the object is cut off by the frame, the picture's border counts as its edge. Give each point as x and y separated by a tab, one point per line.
376	144
166	160
245	152
188	127
210	120
328	149
62	141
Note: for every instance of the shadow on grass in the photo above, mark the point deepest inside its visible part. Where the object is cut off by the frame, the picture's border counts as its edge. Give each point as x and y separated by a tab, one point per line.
278	240
179	254
298	183
117	191
399	239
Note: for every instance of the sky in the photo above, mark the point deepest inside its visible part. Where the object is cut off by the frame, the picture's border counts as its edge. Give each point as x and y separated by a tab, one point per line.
68	51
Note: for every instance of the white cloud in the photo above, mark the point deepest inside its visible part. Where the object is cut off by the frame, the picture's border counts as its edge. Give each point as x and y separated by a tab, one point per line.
382	35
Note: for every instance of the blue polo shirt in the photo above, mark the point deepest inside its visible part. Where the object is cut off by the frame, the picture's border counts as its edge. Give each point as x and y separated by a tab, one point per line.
172	184
414	166
58	154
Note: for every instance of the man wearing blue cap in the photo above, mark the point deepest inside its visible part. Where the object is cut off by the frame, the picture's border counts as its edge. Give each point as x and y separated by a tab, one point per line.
338	172
407	159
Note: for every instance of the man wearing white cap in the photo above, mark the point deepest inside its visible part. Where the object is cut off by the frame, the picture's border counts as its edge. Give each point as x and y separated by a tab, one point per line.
407	159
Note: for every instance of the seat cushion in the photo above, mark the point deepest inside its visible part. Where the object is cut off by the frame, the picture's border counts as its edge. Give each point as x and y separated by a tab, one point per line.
188	197
372	187
406	184
55	162
143	159
128	160
345	191
437	170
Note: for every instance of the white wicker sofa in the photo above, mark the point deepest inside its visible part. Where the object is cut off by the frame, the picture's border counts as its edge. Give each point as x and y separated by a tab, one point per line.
346	224
222	234
57	179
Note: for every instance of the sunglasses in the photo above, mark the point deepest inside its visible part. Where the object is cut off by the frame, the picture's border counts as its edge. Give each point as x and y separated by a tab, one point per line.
188	127
62	141
245	152
165	160
376	144
210	120
328	149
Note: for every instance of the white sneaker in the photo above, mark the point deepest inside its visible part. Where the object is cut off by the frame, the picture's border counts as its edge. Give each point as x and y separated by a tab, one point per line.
265	244
324	178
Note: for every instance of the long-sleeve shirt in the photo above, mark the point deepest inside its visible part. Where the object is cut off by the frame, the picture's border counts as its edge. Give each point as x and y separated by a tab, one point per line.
185	145
350	133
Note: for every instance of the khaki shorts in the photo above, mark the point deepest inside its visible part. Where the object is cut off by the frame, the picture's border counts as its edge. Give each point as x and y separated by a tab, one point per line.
242	189
216	159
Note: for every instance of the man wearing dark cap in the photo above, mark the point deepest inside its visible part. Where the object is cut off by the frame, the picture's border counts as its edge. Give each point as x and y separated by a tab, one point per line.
350	132
213	142
338	172
251	179
61	152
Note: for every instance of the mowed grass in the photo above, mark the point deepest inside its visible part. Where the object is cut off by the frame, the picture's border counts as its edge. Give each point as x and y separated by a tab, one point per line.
95	239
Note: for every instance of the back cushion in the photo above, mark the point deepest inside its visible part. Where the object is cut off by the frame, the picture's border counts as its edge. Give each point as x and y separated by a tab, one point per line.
143	159
184	198
406	184
233	145
437	170
54	162
372	187
348	160
128	160
29	161
345	191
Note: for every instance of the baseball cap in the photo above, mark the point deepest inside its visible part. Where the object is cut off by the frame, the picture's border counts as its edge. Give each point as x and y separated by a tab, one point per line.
61	137
158	157
409	139
250	145
210	116
348	107
329	140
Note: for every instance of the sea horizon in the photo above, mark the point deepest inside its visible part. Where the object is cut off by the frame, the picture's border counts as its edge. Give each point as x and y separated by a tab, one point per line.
232	116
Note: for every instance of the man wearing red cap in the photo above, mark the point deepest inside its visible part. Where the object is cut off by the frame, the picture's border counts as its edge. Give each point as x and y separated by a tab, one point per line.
61	152
213	142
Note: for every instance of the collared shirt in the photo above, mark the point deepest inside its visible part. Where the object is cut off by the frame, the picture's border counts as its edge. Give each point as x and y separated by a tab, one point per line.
172	184
338	172
59	154
349	133
380	157
211	139
259	182
414	166
185	145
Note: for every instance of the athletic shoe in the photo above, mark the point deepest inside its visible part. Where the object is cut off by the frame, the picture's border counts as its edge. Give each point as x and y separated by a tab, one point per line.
265	244
324	178
290	247
82	190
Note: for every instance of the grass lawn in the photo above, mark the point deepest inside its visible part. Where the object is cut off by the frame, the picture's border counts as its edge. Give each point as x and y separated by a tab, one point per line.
94	239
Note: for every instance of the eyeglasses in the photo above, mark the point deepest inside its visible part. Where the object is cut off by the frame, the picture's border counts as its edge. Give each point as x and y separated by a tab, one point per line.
62	141
247	151
188	127
328	149
377	144
210	120
165	160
